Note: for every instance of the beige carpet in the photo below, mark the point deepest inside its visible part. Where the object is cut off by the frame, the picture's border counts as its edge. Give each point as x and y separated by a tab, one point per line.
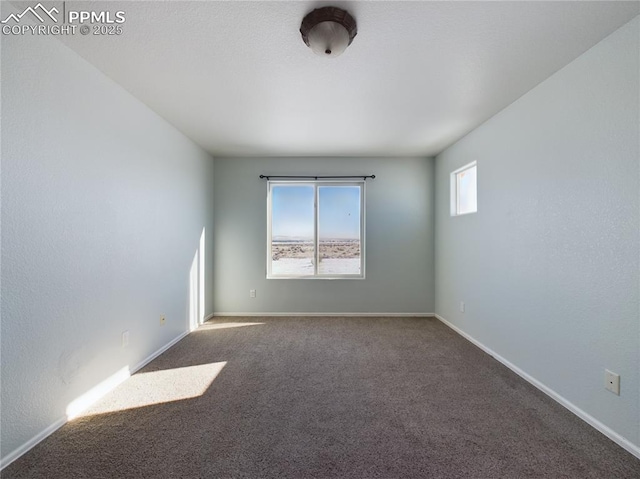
326	398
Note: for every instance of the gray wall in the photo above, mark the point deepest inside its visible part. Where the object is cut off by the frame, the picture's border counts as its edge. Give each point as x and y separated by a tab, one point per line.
549	266
103	205
399	239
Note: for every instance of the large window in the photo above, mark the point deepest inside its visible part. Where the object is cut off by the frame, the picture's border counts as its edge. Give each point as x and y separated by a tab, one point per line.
315	229
464	190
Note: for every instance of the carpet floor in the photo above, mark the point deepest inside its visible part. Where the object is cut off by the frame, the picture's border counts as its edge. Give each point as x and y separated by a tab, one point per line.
325	398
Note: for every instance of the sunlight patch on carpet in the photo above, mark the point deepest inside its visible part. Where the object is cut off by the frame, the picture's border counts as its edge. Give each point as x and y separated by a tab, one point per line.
157	387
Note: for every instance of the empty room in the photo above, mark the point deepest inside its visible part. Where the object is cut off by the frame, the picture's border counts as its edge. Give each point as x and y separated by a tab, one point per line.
299	239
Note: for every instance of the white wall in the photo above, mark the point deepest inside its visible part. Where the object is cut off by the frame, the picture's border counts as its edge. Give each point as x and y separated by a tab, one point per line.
549	266
399	239
103	206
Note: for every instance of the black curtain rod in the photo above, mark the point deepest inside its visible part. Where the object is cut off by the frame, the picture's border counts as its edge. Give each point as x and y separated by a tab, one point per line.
268	177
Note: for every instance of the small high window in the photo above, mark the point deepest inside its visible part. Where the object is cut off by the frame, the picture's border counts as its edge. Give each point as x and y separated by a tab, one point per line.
464	190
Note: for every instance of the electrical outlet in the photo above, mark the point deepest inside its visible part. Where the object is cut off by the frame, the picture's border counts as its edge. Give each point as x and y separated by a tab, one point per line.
252	293
612	382
163	320
125	339
462	306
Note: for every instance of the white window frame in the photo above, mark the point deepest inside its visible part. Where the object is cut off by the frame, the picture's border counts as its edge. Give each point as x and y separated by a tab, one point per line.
455	189
316	184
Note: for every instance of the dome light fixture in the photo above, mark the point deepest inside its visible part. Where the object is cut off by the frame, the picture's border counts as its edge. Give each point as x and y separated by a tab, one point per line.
328	31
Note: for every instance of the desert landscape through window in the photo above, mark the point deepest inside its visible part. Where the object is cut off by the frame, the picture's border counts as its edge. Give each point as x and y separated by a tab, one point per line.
296	222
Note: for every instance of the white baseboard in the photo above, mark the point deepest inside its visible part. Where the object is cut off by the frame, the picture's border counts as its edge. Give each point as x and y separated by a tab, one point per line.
366	315
16	453
157	353
607	431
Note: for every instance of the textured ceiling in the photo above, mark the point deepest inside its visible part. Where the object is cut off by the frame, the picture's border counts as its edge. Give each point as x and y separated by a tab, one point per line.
237	78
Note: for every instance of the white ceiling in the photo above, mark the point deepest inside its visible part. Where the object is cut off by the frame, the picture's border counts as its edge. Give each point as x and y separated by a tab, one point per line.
237	78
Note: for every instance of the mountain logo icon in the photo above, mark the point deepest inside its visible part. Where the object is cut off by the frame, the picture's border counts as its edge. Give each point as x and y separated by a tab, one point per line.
34	11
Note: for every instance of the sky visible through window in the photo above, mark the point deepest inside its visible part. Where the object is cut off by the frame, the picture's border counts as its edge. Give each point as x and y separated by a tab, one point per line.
293	215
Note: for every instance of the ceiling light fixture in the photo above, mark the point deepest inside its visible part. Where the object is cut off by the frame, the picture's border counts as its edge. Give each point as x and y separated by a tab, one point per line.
328	31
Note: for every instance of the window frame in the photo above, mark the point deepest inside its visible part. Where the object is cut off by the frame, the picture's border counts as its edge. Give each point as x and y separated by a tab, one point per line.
455	189
316	208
